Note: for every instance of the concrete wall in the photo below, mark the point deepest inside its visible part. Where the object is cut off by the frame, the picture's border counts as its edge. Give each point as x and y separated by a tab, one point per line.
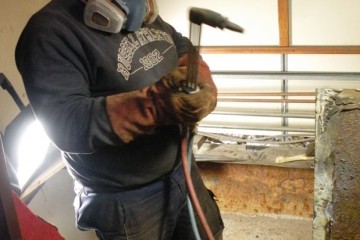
337	168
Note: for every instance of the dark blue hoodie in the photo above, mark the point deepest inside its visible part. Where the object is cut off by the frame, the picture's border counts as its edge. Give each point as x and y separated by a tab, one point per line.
69	68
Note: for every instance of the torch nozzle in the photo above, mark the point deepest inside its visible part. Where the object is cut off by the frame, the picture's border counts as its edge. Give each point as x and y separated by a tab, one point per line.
214	19
233	27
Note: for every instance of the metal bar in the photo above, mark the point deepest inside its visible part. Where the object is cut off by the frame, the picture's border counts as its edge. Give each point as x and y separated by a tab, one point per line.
265	128
2	80
6	85
272	94
280	50
290	75
228	99
272	114
284	89
195	35
256	139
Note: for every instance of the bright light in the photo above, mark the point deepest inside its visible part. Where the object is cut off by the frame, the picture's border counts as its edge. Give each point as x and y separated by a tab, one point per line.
31	152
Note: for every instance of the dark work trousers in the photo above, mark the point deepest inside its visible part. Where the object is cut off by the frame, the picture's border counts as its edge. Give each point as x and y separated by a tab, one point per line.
157	211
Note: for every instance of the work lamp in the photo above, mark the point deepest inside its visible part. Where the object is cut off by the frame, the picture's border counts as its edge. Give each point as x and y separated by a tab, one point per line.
30	156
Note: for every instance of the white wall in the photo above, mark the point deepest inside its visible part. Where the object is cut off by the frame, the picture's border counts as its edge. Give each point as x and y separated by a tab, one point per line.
13	17
313	22
326	22
258	18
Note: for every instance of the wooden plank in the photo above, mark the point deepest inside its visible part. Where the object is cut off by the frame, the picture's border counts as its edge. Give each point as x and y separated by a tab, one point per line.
283	17
280	50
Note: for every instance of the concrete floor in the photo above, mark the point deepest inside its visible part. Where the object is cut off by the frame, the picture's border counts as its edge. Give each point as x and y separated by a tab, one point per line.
266	227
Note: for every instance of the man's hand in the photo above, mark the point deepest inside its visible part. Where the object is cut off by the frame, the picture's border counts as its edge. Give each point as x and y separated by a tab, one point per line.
140	112
191	107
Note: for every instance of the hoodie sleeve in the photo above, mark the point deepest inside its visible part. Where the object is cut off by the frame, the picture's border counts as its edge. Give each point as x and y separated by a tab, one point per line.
59	92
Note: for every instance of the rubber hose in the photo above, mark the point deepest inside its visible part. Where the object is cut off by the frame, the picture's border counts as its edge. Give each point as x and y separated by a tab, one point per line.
190	185
188	201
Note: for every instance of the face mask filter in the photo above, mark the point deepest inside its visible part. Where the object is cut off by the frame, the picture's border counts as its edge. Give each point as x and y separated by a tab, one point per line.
113	16
104	16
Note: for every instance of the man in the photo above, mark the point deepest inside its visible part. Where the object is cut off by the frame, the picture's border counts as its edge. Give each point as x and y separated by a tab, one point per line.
103	77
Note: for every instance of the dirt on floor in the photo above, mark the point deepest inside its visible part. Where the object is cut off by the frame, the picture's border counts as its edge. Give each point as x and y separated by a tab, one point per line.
266	227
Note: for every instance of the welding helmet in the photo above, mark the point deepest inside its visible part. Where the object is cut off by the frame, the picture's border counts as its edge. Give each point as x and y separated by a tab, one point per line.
114	15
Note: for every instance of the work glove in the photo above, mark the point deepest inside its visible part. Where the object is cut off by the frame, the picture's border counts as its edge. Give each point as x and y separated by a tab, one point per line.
163	103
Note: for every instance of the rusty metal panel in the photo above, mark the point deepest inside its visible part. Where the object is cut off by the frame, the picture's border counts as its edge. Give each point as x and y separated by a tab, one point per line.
256	189
337	165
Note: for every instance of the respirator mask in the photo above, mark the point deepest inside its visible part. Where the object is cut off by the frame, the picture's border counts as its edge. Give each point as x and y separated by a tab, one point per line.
114	15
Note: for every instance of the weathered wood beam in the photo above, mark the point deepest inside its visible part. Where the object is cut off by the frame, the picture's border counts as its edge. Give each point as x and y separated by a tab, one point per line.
283	17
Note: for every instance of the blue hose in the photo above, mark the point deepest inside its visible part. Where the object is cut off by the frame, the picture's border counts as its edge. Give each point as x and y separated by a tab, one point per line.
185	141
189	204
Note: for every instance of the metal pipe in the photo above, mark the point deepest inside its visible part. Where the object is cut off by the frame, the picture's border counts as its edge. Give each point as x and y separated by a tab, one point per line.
6	85
262	114
268	128
222	137
262	75
199	16
195	36
284	89
267	94
234	99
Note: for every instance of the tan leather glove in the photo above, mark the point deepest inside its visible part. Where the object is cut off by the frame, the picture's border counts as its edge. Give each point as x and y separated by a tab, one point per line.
140	112
191	108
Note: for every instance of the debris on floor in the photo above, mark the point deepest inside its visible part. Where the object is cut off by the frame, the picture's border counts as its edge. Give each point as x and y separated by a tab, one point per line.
266	227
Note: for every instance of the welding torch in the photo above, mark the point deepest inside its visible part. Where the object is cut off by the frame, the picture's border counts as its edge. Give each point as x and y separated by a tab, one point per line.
198	16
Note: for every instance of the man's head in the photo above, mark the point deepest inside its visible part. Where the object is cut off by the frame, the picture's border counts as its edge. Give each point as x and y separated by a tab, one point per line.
114	15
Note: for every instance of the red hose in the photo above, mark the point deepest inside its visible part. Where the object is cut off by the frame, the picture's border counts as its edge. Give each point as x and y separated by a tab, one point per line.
190	186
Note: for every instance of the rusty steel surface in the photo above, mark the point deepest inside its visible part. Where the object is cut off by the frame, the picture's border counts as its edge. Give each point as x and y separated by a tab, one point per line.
337	165
346	191
258	189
